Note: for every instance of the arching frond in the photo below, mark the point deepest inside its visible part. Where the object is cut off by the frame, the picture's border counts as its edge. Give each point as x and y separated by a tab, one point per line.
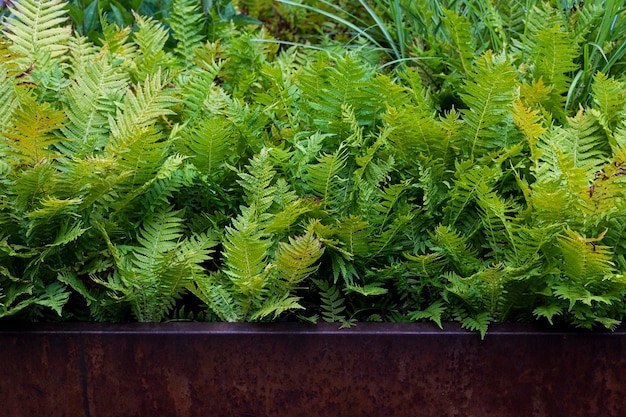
488	95
39	32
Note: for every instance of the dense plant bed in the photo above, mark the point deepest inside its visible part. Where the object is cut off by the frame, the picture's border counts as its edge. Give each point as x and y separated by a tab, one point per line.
190	168
372	369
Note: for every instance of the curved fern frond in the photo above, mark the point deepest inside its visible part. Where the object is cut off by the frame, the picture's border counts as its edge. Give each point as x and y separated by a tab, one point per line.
187	22
553	51
609	96
140	109
325	179
209	144
462	48
152	57
89	101
584	260
258	183
38	31
488	96
295	260
245	255
30	135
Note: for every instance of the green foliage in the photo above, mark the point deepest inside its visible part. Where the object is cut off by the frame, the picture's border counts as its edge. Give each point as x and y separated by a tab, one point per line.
190	168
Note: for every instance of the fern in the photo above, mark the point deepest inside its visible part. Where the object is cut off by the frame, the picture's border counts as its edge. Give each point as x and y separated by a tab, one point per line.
150	38
553	51
608	96
490	94
433	312
329	89
296	260
332	303
30	136
257	184
245	254
324	178
38	32
89	101
186	21
462	42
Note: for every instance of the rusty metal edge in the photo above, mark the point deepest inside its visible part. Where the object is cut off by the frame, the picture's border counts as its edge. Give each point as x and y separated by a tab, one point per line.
295	369
293	328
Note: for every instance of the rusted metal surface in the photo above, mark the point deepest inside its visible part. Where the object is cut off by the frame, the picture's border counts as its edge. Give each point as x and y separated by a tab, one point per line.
193	369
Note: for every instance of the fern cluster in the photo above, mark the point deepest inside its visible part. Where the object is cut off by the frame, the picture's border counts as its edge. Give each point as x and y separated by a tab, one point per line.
158	172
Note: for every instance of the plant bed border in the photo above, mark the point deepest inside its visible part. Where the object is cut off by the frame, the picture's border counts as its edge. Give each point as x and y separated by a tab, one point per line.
291	369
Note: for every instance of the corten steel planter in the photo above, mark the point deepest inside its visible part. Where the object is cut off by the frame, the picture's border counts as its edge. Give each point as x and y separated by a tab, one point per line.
199	369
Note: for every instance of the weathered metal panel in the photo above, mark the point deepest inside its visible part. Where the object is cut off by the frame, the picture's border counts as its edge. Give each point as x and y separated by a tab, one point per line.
195	369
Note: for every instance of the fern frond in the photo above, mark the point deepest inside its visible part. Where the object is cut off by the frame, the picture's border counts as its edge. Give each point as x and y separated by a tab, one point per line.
609	96
462	45
488	96
553	51
209	143
530	123
198	93
584	260
330	89
38	30
152	57
257	183
471	179
89	101
296	260
500	223
160	234
412	132
245	255
217	298
8	95
480	322
187	21
548	312
30	135
332	303
275	306
433	312
455	248
584	142
324	178
139	110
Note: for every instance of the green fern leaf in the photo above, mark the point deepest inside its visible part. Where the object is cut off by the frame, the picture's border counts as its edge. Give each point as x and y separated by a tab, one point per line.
88	102
186	21
151	37
609	96
553	51
139	110
479	322
462	42
295	260
30	134
368	290
219	301
38	31
488	95
260	193
433	312
583	259
332	303
160	234
275	306
245	255
325	179
548	311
